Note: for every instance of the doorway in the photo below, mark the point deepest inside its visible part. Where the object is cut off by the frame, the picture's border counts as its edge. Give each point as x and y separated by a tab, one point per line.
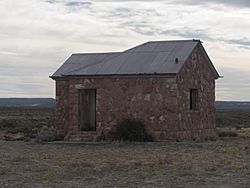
87	109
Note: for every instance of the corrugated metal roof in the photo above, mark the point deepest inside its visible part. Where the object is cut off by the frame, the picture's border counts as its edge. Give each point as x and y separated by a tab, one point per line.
156	57
82	62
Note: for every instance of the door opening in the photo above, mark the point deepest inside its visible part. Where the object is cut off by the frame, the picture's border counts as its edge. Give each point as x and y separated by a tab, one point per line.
87	109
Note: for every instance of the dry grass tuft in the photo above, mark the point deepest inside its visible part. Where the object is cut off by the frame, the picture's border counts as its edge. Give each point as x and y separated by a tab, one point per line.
244	132
227	132
4	170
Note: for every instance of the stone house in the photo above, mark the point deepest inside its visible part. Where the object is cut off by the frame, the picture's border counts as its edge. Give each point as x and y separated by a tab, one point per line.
169	85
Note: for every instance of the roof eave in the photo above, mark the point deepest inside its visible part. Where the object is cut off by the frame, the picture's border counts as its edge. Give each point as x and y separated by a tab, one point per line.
56	77
113	75
216	74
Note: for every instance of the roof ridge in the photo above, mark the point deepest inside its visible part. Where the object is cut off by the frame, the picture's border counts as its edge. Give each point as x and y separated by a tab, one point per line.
101	53
130	49
185	40
162	41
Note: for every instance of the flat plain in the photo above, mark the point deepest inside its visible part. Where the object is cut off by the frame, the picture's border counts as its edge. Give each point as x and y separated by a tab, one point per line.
223	162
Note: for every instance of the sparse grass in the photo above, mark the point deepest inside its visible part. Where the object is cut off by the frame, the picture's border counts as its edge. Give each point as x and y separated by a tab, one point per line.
225	162
19	159
25	120
4	170
227	132
233	132
234	118
244	132
160	164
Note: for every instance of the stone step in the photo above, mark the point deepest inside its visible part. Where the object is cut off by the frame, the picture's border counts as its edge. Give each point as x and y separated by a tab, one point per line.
82	137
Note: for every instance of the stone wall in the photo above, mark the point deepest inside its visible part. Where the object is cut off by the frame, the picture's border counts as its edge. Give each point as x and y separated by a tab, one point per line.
153	100
196	74
161	102
62	109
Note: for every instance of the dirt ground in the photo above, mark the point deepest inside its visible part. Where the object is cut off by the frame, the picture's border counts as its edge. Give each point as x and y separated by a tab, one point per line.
221	163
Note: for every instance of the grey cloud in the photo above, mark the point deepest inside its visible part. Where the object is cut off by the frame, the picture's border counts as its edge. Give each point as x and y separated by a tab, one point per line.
78	4
146	28
122	12
35	44
134	20
51	1
240	42
235	76
245	47
234	84
143	27
24	90
122	0
188	33
204	35
24	86
236	3
9	53
71	3
28	86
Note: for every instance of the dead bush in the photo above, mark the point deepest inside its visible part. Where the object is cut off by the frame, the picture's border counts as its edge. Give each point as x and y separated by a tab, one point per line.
226	133
129	130
48	135
206	138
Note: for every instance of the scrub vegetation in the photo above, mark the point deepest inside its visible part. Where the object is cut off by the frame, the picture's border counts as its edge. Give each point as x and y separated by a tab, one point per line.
223	162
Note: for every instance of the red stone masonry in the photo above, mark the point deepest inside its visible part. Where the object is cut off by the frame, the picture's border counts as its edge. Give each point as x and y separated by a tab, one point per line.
162	102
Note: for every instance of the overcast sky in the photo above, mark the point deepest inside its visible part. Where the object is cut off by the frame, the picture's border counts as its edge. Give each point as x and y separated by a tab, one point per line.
36	37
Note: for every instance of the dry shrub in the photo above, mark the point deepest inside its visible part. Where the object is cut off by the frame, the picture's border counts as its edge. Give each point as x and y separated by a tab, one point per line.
13	137
226	133
244	132
129	130
206	138
47	134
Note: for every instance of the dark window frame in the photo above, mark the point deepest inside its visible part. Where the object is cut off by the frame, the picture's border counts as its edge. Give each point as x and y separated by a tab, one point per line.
82	109
193	99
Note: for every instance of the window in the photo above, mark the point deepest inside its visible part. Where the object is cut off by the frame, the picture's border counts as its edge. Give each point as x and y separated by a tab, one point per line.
193	99
87	109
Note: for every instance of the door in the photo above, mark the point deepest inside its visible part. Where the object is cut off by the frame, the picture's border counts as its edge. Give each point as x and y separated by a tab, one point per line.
87	109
